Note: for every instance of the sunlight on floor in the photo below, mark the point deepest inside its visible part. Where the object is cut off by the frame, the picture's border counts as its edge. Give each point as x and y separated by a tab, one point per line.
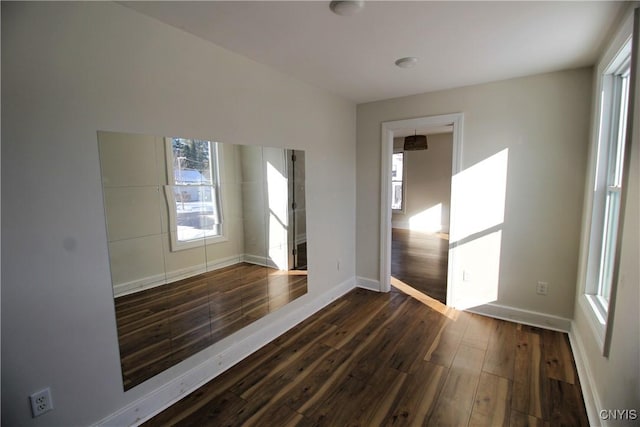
425	299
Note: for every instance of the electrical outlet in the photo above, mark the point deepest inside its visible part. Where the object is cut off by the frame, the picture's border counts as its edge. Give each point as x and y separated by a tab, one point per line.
541	288
466	276
41	402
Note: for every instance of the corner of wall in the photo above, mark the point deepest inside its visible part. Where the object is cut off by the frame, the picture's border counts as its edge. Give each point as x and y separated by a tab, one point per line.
370	284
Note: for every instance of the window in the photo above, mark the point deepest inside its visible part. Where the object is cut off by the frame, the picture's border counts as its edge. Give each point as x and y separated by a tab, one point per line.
193	194
608	182
397	182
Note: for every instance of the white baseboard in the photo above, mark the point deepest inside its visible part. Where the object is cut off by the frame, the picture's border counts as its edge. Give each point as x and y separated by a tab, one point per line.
590	395
400	224
178	388
404	225
122	289
259	260
223	262
526	317
370	284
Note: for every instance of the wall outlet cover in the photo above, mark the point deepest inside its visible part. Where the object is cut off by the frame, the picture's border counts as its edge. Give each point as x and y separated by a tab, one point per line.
41	402
541	288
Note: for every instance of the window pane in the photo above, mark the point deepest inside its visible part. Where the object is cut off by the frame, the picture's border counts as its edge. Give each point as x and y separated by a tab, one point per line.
397	166
396	195
196	212
622	128
397	171
192	161
193	165
609	243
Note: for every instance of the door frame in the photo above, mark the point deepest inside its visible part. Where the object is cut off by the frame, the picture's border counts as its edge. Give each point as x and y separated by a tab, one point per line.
388	130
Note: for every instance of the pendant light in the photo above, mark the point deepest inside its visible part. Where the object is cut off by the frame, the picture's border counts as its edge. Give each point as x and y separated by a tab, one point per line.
415	142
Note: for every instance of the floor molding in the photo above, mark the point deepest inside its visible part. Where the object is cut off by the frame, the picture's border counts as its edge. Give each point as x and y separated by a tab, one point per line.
526	317
590	395
145	283
161	398
370	284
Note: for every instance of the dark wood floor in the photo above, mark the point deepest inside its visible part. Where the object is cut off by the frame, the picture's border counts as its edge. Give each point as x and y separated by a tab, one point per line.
162	326
374	359
421	259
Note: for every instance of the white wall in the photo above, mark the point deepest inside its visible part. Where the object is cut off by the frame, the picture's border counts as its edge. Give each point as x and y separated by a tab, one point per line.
70	69
427	194
253	202
612	382
532	131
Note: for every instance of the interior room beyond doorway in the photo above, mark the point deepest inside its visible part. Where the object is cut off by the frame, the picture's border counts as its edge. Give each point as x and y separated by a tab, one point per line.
421	199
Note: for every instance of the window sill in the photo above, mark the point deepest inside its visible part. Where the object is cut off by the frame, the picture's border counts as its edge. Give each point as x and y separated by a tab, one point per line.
196	243
597	321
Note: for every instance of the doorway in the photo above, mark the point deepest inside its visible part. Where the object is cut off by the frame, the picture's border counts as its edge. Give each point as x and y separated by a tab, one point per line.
421	200
417	230
297	210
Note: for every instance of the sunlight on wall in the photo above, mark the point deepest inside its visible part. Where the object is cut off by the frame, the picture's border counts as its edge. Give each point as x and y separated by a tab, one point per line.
277	193
478	196
277	228
478	200
477	282
429	220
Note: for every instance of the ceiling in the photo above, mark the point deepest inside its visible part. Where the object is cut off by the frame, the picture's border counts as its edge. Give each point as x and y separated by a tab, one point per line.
457	43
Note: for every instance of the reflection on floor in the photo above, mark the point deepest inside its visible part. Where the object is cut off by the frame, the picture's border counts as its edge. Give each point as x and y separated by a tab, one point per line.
160	327
381	359
420	260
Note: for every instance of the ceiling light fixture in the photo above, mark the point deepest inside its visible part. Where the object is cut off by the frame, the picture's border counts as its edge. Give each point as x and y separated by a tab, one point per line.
408	62
346	8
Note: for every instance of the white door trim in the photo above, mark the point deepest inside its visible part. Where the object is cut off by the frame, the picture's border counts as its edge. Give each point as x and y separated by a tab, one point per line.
388	130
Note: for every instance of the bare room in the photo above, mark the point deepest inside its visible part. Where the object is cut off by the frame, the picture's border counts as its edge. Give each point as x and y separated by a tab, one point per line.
320	213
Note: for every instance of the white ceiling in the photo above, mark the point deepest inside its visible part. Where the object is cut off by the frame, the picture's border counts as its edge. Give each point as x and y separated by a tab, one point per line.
458	43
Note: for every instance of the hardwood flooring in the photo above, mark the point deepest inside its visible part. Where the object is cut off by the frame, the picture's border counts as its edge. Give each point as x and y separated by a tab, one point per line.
421	260
162	326
392	359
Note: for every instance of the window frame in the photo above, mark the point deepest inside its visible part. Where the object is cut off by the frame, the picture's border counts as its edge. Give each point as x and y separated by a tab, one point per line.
608	133
216	165
403	181
608	185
